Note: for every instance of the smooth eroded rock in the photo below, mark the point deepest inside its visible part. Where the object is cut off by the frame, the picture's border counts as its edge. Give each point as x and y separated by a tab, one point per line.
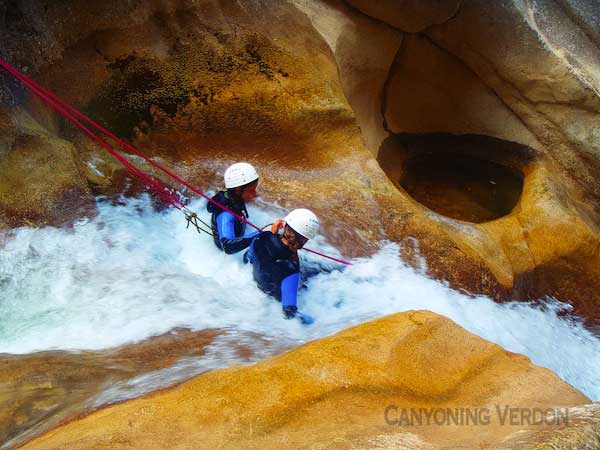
409	15
333	393
40	179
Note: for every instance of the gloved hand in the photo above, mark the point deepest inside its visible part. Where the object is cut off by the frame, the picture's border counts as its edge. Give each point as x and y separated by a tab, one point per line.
292	311
289	311
304	318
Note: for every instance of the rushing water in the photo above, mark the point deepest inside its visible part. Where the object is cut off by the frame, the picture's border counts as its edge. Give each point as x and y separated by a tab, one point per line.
131	273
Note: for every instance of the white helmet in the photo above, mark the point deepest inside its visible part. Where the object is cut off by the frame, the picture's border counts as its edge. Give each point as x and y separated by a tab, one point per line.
240	174
304	222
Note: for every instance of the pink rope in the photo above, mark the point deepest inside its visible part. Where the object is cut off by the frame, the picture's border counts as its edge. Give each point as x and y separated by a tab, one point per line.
156	185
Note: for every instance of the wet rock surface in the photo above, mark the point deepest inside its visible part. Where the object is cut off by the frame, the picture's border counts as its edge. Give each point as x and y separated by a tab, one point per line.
509	71
333	393
40	181
40	390
580	429
533	242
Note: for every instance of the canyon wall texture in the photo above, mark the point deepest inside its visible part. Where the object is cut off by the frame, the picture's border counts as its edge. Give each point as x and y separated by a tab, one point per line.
336	102
444	76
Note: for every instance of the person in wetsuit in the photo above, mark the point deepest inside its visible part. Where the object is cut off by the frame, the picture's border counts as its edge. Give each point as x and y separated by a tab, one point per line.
241	181
275	262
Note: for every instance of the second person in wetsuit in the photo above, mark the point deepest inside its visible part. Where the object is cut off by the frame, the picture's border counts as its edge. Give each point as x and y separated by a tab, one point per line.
274	257
241	181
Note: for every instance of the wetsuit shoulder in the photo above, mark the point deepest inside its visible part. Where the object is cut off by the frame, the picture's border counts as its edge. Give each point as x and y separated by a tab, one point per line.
220	198
273	246
228	230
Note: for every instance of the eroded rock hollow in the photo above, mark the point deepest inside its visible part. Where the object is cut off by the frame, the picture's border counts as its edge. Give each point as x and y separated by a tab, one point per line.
513	84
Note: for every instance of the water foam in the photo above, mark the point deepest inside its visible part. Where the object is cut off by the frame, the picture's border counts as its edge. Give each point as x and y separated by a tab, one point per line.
131	273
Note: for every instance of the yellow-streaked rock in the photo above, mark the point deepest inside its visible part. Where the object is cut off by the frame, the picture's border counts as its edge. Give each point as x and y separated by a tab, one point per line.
332	393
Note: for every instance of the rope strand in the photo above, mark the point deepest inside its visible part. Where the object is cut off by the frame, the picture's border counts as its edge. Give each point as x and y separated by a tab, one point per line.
152	183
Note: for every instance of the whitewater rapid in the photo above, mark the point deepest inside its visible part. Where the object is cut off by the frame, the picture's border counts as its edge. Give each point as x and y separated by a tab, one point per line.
132	272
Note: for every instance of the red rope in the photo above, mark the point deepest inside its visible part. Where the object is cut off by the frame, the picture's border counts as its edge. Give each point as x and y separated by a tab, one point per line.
156	185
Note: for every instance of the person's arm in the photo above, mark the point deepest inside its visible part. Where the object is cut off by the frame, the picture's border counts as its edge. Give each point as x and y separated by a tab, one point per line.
249	255
226	228
289	294
279	224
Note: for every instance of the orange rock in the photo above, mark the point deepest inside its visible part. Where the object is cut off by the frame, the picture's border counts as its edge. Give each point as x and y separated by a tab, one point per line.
333	393
40	182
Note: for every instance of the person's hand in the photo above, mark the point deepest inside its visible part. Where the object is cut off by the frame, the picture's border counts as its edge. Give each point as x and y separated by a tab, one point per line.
277	225
304	318
289	311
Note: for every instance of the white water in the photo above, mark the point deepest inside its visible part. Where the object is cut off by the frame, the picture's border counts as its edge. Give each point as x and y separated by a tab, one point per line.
131	273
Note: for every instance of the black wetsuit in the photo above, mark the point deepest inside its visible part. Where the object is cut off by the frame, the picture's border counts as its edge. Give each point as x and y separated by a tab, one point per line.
228	230
276	269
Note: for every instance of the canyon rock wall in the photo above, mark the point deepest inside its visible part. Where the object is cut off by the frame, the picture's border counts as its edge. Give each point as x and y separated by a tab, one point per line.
454	73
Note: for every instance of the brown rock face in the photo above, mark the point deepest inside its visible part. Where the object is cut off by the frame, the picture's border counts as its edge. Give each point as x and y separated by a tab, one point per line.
40	181
445	95
334	393
542	65
524	72
547	243
539	59
409	15
202	85
581	431
40	390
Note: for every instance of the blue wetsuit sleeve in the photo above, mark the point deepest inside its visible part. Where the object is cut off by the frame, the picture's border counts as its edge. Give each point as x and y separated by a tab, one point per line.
226	228
226	225
289	294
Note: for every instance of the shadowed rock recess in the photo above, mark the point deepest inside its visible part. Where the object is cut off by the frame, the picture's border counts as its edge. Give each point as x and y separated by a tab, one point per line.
468	125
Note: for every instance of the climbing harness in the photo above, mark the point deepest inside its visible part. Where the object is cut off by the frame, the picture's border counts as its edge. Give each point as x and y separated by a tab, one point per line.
192	219
157	186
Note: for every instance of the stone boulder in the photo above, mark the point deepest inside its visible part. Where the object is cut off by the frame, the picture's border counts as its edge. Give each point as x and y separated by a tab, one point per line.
333	393
40	178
